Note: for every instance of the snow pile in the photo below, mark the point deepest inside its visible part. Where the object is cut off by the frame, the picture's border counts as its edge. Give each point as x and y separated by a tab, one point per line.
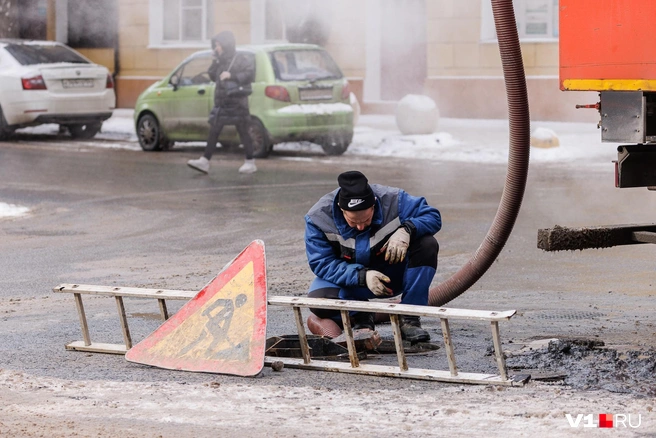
462	140
318	109
12	210
544	138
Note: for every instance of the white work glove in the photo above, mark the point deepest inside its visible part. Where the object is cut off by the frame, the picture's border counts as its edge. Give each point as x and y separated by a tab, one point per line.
397	246
375	284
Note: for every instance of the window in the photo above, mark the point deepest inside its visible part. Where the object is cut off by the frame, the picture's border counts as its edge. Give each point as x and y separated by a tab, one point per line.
31	54
91	24
297	21
303	65
537	20
181	23
194	72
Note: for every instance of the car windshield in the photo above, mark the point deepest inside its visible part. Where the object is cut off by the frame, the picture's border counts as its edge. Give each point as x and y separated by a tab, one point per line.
304	65
29	54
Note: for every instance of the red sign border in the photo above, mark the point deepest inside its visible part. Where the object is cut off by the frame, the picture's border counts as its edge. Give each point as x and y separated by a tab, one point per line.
252	253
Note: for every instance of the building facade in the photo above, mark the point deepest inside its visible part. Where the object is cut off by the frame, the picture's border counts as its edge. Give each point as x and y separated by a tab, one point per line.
446	49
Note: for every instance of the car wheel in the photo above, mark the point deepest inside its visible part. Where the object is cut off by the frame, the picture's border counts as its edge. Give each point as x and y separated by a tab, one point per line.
262	145
336	144
84	131
150	134
4	131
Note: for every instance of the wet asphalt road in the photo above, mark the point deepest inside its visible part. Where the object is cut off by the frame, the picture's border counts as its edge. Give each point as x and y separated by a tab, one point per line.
127	218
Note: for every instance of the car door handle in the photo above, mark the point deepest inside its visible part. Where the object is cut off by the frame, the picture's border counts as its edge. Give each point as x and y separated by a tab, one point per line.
201	91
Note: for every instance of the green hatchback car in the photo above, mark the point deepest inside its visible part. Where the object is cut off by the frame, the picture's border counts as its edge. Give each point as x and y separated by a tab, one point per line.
299	94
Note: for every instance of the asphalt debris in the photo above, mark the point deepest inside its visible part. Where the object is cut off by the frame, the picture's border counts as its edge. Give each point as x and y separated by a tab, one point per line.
588	365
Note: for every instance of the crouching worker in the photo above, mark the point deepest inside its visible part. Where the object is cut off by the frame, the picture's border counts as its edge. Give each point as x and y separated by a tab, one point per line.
367	241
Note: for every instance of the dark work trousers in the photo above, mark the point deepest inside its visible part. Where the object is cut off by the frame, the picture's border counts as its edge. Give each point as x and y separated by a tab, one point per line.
241	123
411	279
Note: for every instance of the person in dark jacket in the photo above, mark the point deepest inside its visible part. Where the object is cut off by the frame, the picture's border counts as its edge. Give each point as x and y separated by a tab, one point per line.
370	241
229	71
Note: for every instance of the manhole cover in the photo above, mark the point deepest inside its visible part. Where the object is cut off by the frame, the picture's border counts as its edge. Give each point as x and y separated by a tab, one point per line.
563	314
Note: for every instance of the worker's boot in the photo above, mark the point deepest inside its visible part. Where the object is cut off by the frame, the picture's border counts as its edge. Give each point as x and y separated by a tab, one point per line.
411	330
364	320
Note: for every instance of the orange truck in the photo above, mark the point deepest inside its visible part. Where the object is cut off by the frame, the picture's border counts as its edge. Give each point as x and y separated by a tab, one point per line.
609	46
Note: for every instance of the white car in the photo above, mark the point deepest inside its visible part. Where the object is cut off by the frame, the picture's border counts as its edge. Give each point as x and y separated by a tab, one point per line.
48	82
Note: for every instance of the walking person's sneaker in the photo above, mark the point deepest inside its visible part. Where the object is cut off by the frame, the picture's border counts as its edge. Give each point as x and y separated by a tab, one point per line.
411	330
202	164
248	167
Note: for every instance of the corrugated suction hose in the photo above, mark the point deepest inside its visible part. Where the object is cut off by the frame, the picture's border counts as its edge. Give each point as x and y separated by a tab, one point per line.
518	159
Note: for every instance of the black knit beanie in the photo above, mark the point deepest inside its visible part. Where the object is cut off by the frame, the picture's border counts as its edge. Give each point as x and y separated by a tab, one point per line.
355	193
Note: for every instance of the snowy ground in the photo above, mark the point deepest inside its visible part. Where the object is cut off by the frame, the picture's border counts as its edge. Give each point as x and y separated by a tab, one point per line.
271	406
61	408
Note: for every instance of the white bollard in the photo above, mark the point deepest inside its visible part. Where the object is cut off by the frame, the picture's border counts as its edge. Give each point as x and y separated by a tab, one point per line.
417	115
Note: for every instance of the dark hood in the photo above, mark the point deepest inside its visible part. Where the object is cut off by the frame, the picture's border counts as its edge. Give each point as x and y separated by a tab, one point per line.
227	41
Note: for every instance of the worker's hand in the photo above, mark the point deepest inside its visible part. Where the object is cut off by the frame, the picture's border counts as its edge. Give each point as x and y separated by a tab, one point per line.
225	75
375	283
397	246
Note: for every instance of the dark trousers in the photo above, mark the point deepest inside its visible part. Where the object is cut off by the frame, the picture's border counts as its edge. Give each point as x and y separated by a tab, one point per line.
411	279
241	123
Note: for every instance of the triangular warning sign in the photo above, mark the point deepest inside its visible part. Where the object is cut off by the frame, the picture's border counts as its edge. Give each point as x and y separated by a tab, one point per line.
222	329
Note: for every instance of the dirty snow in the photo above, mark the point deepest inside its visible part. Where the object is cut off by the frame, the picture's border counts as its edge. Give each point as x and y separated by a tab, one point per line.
61	408
463	140
318	109
12	210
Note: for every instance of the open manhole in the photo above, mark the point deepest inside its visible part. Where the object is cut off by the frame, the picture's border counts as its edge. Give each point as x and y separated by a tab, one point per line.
563	314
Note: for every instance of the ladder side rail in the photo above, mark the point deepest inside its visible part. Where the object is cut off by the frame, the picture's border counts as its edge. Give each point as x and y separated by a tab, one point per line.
134	292
399	309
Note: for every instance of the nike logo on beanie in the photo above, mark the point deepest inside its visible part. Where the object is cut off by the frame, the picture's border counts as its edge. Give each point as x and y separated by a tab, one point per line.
353	202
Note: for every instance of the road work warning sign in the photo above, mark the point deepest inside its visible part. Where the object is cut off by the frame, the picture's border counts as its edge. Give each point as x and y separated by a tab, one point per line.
222	329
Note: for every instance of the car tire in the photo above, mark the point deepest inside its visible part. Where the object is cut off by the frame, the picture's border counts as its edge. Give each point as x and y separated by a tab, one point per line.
4	131
262	145
336	144
84	131
150	135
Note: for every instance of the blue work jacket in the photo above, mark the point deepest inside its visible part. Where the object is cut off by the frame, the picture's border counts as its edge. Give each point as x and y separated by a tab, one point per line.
337	252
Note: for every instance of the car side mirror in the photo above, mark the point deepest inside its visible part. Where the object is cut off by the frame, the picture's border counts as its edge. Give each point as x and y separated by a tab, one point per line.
174	82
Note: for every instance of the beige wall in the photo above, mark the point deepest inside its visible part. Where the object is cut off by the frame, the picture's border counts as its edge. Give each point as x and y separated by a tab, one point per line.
455	47
140	66
464	75
346	42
